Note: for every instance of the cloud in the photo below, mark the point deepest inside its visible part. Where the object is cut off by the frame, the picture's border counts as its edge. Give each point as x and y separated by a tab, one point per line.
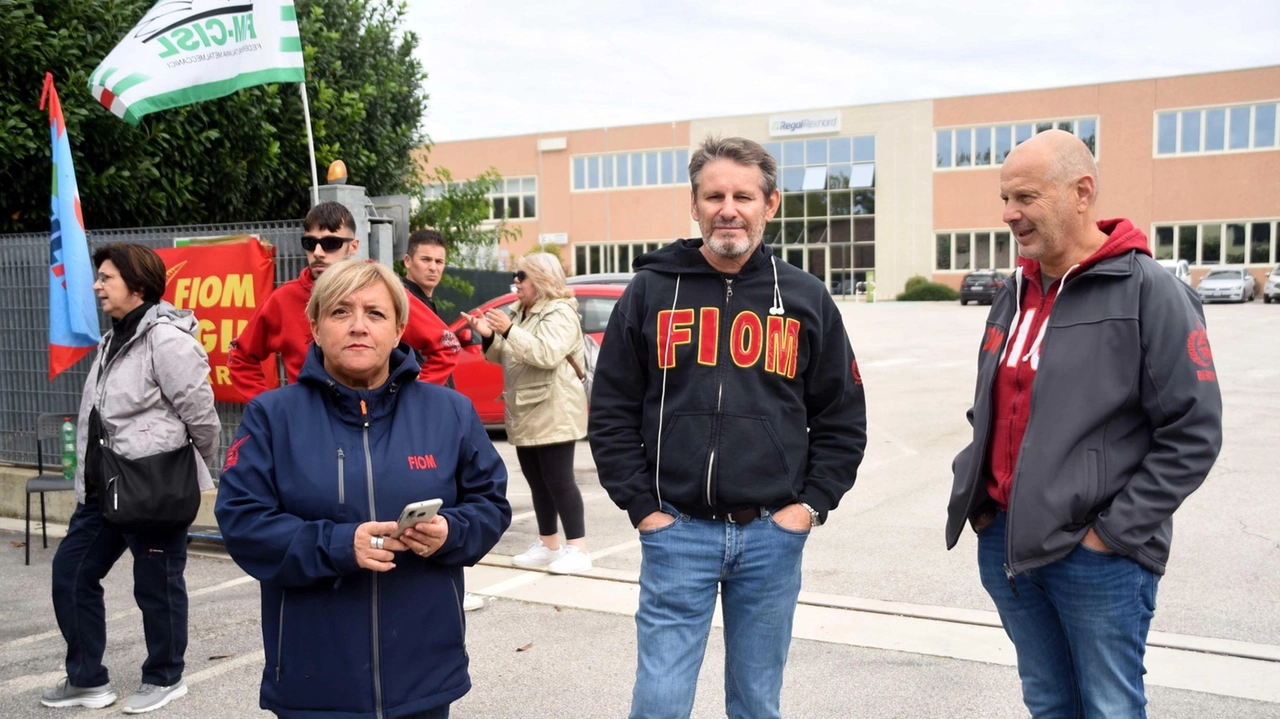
505	68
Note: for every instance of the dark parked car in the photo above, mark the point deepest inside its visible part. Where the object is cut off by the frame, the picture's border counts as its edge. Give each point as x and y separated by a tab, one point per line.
980	286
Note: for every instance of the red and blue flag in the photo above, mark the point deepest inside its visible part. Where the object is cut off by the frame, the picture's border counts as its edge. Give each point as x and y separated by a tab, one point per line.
73	311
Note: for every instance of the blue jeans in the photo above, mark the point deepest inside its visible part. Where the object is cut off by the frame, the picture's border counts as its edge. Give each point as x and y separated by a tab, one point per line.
756	567
1079	626
84	557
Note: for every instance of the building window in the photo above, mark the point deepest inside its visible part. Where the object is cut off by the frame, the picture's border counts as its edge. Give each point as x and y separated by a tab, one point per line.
596	257
1239	128
628	170
1234	242
989	145
1164	243
826	223
516	199
974	250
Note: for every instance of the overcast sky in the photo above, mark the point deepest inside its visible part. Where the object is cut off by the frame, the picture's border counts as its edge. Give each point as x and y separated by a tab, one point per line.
516	67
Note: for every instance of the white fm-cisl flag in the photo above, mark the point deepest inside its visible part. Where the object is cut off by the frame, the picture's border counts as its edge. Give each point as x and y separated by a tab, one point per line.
187	51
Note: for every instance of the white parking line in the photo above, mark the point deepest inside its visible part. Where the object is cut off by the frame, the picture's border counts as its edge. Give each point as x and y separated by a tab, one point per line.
30	682
615	549
222	667
23	641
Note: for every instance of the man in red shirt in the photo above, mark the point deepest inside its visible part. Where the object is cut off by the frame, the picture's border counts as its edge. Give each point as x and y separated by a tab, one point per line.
280	324
1097	413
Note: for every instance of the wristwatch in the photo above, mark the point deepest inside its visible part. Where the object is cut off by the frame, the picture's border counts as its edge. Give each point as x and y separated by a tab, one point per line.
815	518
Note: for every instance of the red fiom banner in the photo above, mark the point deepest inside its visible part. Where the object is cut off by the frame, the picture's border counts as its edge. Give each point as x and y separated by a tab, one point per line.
222	281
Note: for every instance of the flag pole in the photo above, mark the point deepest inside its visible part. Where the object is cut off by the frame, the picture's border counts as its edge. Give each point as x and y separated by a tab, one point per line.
311	145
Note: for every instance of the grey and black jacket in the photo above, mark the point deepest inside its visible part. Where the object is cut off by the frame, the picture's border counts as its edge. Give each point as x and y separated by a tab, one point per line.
152	393
1126	417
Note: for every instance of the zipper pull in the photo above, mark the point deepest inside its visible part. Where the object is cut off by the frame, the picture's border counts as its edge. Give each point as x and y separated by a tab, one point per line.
728	290
1013	585
364	413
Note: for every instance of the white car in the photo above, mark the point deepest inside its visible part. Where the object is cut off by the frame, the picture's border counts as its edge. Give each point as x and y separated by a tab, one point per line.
1178	268
1228	284
1272	291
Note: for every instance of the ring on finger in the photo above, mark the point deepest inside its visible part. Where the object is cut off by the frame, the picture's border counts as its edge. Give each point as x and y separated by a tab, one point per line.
376	542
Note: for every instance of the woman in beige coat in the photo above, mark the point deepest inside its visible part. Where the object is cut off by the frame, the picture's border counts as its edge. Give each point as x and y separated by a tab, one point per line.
546	405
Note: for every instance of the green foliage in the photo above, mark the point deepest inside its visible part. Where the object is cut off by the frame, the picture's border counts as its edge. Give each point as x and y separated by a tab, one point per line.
915	282
460	213
926	291
241	157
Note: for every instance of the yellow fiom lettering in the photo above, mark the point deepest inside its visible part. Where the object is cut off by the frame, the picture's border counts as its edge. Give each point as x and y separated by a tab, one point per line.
182	292
783	346
222	374
226	335
238	291
210	292
206	335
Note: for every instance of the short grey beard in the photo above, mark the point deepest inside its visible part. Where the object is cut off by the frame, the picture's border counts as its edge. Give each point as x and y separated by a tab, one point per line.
731	251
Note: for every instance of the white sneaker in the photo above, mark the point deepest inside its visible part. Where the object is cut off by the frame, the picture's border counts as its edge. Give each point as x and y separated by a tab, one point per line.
472	602
571	561
537	555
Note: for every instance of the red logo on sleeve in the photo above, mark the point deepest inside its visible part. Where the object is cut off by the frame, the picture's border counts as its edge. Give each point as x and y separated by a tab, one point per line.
857	376
233	453
1200	353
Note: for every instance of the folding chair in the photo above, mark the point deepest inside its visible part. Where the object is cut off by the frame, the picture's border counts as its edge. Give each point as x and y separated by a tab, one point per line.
48	426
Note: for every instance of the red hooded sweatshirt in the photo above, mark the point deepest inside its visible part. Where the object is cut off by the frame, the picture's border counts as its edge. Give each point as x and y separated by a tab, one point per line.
281	325
1012	391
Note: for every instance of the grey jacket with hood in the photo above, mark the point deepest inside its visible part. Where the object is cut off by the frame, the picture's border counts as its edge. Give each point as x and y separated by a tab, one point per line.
153	393
1126	415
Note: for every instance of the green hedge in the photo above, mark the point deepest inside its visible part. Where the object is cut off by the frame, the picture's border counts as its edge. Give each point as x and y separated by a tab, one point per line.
918	289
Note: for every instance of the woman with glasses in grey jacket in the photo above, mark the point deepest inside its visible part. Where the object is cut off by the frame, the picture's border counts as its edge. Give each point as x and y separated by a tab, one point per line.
149	386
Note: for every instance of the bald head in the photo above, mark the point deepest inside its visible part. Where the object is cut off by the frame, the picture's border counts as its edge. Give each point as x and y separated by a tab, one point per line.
1060	157
1048	185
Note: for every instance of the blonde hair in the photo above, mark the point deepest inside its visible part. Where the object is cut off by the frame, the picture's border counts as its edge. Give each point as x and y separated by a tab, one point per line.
347	277
547	275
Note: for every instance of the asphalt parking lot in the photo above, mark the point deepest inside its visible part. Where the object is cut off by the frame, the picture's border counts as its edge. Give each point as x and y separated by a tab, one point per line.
891	624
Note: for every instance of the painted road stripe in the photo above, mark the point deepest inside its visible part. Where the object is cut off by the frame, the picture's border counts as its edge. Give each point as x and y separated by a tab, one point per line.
32	639
967	635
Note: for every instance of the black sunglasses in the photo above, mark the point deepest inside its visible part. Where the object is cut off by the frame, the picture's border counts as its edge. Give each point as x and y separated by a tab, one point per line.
330	243
520	276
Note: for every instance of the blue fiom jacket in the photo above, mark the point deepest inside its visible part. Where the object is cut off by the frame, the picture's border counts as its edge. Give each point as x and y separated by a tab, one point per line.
310	462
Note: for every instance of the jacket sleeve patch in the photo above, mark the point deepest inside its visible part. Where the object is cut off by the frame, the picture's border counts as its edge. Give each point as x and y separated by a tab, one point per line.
1201	354
233	453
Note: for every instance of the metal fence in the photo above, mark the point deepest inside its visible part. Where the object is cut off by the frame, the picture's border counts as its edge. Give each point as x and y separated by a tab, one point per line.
25	389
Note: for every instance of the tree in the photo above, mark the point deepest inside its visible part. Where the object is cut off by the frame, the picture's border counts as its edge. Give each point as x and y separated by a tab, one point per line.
238	158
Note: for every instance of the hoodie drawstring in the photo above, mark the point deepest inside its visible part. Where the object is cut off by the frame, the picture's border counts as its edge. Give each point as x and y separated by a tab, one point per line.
662	401
777	308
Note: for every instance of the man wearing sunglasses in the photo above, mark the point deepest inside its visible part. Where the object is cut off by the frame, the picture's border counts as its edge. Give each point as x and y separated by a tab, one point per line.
280	324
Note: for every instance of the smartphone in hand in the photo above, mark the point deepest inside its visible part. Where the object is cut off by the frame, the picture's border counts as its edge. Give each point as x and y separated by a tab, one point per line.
416	512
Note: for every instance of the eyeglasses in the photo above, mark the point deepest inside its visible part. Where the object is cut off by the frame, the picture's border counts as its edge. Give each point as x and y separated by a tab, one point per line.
330	243
520	276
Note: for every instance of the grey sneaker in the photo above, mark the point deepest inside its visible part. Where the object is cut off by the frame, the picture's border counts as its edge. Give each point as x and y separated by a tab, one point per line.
65	695
150	697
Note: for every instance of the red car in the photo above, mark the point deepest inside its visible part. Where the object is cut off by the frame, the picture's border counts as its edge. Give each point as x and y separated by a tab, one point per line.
481	381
